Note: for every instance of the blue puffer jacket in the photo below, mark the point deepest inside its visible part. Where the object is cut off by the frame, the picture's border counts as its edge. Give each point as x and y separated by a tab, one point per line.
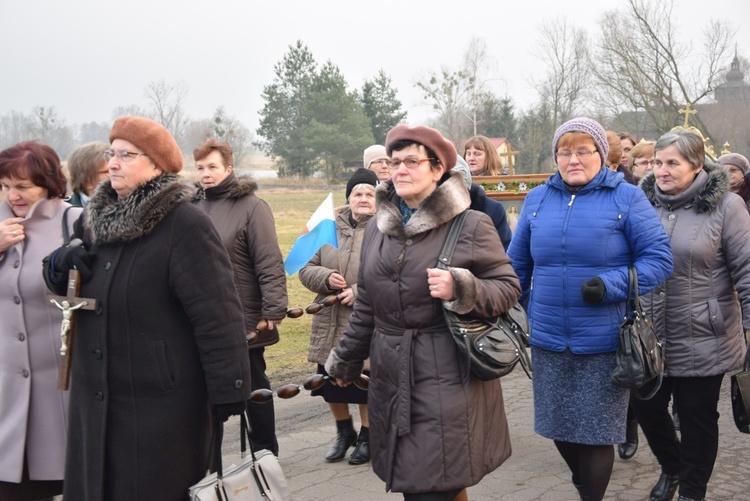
562	240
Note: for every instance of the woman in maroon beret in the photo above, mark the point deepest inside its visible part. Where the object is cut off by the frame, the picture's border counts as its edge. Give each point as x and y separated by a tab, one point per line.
433	431
167	338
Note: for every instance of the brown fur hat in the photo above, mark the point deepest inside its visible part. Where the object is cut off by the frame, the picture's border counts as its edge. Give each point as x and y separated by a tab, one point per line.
427	136
151	137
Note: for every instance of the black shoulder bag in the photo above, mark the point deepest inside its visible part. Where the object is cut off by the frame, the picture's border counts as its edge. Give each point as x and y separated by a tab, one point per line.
741	397
640	358
493	346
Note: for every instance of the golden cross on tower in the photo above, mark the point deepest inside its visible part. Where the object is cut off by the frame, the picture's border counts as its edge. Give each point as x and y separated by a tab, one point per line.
687	112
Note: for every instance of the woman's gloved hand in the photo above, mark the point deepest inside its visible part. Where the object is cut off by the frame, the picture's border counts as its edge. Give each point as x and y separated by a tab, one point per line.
223	411
75	256
593	290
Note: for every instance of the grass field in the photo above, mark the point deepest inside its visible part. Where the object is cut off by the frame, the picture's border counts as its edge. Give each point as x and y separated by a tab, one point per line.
287	360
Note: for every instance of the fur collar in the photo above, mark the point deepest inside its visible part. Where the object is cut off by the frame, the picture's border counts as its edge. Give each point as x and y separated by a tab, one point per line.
448	200
111	220
707	197
232	187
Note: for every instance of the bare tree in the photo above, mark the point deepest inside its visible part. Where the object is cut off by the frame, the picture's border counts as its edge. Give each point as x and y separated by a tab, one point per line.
229	128
166	102
447	91
478	68
642	67
565	50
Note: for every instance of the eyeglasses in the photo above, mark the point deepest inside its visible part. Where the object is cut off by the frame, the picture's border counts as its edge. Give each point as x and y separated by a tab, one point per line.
380	162
124	155
644	163
581	154
411	163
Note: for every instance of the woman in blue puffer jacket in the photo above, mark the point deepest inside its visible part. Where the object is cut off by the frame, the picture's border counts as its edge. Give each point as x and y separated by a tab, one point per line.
575	239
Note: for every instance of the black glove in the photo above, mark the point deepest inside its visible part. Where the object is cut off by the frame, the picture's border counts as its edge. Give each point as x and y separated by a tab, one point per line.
223	411
74	256
593	290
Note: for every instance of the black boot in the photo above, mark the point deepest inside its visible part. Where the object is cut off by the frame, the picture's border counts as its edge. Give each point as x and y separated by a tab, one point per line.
361	453
628	449
345	438
665	488
578	487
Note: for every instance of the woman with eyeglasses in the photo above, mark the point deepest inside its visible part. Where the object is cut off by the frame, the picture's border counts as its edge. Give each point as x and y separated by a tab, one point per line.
575	240
376	159
164	353
33	413
737	168
642	159
432	432
87	168
701	313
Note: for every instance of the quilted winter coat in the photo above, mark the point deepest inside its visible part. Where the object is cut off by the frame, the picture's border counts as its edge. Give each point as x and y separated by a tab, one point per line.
430	430
699	312
329	323
563	239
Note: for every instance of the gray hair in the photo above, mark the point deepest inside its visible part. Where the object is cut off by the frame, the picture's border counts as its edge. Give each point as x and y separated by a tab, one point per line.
688	144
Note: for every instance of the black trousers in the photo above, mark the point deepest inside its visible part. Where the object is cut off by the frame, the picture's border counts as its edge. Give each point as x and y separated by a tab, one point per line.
262	416
693	456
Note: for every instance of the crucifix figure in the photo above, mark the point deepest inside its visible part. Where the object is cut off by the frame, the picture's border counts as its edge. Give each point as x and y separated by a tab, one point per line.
69	304
687	112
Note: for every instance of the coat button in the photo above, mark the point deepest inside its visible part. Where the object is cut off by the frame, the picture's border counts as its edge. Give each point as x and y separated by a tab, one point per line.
238	384
713	318
661	294
25	373
107	265
409	242
21	336
394	278
99	395
99	310
16	299
97	354
396	315
671	217
17	264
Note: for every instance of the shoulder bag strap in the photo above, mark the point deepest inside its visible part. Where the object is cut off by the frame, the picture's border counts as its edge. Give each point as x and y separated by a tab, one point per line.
65	230
446	254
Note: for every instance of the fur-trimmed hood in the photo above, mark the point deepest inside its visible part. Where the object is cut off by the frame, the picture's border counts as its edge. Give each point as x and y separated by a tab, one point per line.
448	200
107	219
231	187
706	198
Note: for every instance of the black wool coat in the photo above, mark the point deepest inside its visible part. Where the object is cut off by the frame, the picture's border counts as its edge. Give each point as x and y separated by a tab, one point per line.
166	340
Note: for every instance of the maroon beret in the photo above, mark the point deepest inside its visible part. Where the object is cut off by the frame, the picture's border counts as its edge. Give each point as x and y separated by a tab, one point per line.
427	136
152	138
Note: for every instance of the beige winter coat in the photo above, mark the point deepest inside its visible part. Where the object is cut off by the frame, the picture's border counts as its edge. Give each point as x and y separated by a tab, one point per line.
329	323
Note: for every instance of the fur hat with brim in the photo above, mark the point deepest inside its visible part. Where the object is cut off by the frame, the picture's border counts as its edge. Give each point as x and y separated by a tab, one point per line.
427	136
152	138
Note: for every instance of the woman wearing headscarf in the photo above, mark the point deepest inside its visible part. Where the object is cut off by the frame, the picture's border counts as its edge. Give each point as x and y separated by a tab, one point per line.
737	167
334	271
432	432
167	339
576	238
33	413
699	313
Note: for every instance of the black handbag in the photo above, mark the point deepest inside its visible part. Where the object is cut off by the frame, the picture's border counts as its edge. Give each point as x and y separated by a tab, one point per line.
741	397
491	347
640	358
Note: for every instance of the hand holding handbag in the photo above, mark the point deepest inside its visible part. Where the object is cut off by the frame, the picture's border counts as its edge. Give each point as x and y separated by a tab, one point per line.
741	397
491	347
639	358
258	476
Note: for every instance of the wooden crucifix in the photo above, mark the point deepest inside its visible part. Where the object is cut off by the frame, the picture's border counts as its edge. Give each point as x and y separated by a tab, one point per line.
69	304
510	156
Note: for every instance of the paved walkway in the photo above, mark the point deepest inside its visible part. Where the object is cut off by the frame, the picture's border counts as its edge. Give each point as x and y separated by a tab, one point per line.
535	471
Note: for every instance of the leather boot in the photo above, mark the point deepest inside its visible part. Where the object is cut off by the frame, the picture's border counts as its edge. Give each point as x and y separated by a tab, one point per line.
665	488
345	438
578	487
683	498
361	453
628	449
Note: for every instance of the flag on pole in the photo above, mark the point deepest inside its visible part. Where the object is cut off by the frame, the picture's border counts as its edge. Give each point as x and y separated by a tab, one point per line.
319	230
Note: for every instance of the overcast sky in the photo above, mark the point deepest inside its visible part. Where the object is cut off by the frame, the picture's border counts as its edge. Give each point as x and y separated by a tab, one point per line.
86	57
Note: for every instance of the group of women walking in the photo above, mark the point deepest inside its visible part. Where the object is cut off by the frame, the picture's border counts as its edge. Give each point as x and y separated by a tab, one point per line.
180	284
